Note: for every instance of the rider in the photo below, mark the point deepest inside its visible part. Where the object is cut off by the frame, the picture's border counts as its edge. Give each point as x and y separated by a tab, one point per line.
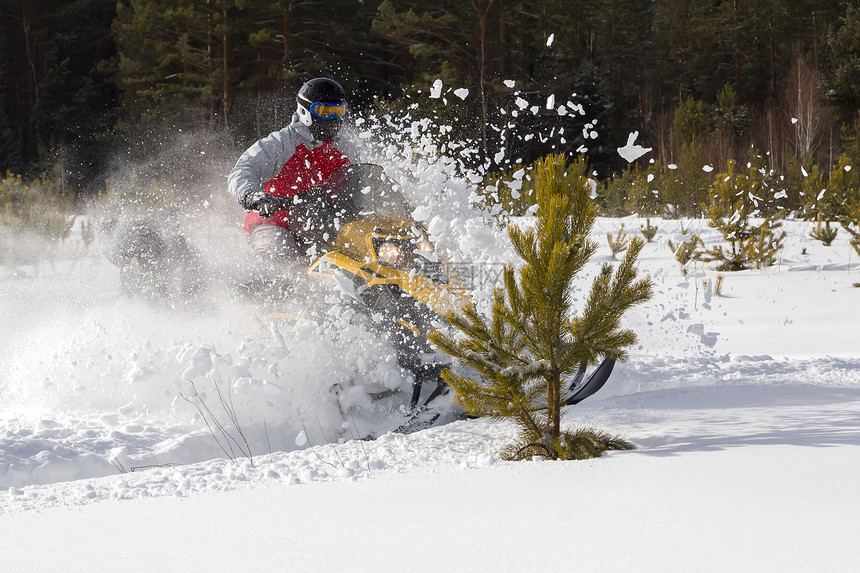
293	160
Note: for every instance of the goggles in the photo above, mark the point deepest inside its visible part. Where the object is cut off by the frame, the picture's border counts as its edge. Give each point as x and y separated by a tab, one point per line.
326	110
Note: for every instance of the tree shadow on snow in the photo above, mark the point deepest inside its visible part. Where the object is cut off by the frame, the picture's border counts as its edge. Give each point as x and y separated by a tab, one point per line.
720	417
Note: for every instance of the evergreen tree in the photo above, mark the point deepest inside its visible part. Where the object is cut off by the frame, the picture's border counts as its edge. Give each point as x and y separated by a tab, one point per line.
623	52
168	62
813	191
532	346
850	219
55	106
829	201
693	121
736	199
233	65
843	61
457	42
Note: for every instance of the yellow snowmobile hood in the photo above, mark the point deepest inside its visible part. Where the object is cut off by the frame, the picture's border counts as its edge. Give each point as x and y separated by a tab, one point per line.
355	255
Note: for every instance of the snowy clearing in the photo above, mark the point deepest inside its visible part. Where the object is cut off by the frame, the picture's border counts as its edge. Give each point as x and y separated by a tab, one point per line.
745	407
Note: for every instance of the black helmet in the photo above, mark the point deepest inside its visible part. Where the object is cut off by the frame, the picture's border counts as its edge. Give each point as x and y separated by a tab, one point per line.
322	107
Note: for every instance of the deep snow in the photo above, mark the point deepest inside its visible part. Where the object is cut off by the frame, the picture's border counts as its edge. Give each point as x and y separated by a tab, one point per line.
745	407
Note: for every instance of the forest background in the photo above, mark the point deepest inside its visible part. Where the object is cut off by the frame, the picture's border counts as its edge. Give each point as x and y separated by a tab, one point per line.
772	84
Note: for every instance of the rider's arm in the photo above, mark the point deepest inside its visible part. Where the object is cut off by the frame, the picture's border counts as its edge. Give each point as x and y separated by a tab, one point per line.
261	162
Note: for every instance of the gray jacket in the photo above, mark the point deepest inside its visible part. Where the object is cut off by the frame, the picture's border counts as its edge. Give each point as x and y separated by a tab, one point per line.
265	159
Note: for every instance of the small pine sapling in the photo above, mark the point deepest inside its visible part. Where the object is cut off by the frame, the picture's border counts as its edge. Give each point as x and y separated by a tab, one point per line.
761	250
735	200
532	346
816	201
849	218
824	233
648	230
686	250
718	285
840	200
618	242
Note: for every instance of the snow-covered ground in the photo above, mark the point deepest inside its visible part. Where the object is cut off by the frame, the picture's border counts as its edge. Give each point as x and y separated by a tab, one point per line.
745	407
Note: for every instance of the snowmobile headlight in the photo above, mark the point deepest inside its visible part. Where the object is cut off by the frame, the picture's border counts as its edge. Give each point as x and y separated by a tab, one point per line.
388	253
425	250
425	246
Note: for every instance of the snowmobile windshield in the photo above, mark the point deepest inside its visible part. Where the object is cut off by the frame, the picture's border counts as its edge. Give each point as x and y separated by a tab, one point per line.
364	190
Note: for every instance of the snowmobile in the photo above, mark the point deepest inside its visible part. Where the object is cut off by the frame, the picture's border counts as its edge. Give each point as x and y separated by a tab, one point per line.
358	231
359	234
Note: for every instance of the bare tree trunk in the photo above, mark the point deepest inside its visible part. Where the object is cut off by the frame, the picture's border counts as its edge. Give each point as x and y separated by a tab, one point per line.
772	58
210	63
482	9
225	92
771	139
738	74
502	59
258	112
287	6
803	99
815	41
32	134
553	426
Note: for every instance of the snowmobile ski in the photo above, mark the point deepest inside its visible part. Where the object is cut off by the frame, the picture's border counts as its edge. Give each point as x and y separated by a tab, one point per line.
422	419
594	383
424	416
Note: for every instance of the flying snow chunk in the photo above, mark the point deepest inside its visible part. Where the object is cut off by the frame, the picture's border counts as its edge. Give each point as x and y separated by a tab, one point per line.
303	330
346	286
707	168
510	84
631	152
461	93
120	459
436	90
592	188
302	439
421	213
550	102
793	120
199	364
847	168
672	166
802	170
521	103
550	40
